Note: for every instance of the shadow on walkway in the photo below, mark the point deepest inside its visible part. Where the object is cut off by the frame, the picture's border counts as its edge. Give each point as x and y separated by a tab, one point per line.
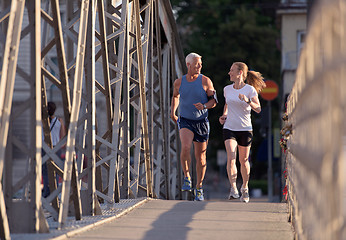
174	223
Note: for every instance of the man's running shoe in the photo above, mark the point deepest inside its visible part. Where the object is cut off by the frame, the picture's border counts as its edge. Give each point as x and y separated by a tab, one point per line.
233	193
187	185
199	194
244	195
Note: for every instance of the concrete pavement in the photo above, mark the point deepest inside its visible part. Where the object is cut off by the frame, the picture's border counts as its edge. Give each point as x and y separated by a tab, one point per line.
189	220
145	218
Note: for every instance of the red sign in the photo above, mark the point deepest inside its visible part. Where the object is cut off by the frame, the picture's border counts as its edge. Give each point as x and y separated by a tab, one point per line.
271	91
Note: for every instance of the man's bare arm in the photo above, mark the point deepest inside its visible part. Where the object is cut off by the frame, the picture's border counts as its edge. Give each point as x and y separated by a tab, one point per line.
211	93
175	99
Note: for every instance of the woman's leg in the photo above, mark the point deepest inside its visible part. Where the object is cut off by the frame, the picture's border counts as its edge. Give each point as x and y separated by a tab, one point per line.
231	149
244	153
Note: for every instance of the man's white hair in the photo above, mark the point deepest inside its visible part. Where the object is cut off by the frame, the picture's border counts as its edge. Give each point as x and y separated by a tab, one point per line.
189	58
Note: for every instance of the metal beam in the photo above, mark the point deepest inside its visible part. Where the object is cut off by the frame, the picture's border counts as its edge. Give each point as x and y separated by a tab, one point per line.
70	167
143	99
6	94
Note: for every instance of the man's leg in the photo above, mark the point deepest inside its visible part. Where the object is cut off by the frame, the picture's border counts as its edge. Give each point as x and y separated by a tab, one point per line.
201	161
186	137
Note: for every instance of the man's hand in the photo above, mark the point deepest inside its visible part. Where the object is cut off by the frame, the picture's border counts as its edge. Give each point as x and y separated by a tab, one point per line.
174	118
199	106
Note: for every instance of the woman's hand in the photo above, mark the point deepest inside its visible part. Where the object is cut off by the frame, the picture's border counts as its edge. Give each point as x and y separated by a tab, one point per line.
244	98
222	119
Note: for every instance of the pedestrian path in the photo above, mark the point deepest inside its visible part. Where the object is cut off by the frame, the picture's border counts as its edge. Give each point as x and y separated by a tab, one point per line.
73	227
150	219
190	220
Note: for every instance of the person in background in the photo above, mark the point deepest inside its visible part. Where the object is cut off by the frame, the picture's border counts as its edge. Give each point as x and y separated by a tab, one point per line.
240	98
194	93
57	130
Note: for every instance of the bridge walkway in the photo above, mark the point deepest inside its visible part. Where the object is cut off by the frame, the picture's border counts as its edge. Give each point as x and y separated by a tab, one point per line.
190	220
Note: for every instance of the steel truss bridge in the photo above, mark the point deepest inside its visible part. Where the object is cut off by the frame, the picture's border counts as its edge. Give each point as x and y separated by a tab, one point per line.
113	64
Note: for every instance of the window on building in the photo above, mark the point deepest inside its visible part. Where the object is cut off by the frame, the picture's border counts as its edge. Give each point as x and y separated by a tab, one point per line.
301	41
294	1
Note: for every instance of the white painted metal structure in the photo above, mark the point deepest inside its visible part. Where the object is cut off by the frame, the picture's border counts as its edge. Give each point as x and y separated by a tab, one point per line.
113	64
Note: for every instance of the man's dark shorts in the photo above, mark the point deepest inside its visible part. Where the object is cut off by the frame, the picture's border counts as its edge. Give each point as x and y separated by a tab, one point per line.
200	128
243	138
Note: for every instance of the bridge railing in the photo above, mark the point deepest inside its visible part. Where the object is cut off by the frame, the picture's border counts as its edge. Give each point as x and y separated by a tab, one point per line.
109	65
315	129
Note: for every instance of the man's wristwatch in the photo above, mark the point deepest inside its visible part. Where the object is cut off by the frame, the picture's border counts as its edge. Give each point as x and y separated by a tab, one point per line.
204	106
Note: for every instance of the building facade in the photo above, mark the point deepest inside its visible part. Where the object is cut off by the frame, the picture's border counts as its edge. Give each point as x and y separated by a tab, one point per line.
292	15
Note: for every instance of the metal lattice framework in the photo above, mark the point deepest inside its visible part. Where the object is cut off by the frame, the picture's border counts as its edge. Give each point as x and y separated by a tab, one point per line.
315	158
112	64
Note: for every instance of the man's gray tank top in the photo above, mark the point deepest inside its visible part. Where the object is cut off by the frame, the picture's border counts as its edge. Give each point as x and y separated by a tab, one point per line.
190	93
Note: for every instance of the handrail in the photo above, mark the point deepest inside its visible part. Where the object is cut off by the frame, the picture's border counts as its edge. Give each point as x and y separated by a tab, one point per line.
316	113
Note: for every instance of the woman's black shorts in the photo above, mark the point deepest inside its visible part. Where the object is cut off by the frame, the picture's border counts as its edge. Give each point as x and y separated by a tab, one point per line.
243	138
